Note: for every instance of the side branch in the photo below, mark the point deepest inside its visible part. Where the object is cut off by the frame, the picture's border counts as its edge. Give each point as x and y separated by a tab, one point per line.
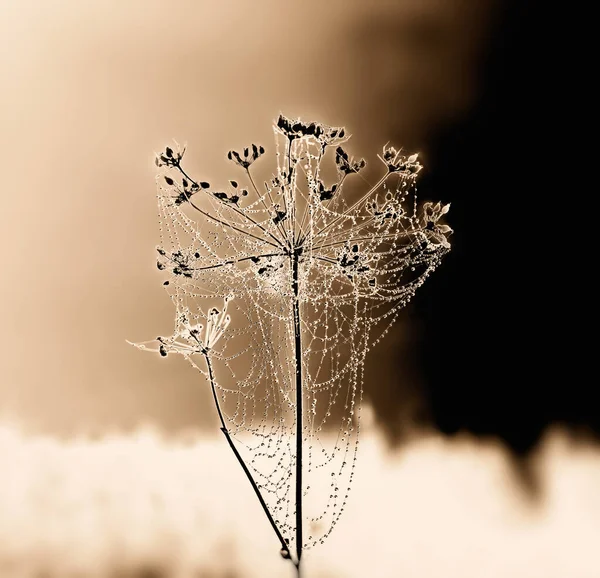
284	546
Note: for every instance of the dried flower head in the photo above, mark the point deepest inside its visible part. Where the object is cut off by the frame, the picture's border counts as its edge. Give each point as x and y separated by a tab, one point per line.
171	157
321	133
320	274
436	231
192	338
398	162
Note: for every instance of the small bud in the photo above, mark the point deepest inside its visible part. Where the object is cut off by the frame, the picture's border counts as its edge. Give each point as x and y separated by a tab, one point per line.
169	152
279	216
169	180
285	554
163	350
205	185
234	184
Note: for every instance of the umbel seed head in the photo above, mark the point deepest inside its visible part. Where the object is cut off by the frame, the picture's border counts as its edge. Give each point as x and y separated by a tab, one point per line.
320	270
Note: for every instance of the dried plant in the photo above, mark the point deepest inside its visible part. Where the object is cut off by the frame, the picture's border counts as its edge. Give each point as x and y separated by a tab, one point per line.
284	288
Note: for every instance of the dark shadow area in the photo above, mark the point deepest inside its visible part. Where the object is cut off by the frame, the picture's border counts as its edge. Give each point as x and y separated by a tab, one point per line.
498	322
499	343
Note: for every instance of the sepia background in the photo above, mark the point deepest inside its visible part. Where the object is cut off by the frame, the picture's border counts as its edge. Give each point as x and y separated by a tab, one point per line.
480	457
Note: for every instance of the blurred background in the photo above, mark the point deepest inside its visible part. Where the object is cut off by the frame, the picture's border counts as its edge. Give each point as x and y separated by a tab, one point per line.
475	386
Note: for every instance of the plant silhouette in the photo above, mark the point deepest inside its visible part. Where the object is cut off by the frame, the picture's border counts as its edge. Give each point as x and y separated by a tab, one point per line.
280	291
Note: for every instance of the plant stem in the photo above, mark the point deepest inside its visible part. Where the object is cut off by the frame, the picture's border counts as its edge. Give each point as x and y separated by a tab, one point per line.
299	432
284	546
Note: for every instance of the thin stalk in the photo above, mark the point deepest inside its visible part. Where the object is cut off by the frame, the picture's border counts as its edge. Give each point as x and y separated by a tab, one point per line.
226	224
337	193
316	177
232	261
299	418
284	546
248	217
370	238
279	227
361	200
290	228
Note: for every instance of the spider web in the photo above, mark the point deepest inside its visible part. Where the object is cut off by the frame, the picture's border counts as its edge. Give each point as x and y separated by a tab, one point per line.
359	263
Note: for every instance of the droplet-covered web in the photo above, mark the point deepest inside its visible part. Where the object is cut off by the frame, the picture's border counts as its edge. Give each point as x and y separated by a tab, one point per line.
360	257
